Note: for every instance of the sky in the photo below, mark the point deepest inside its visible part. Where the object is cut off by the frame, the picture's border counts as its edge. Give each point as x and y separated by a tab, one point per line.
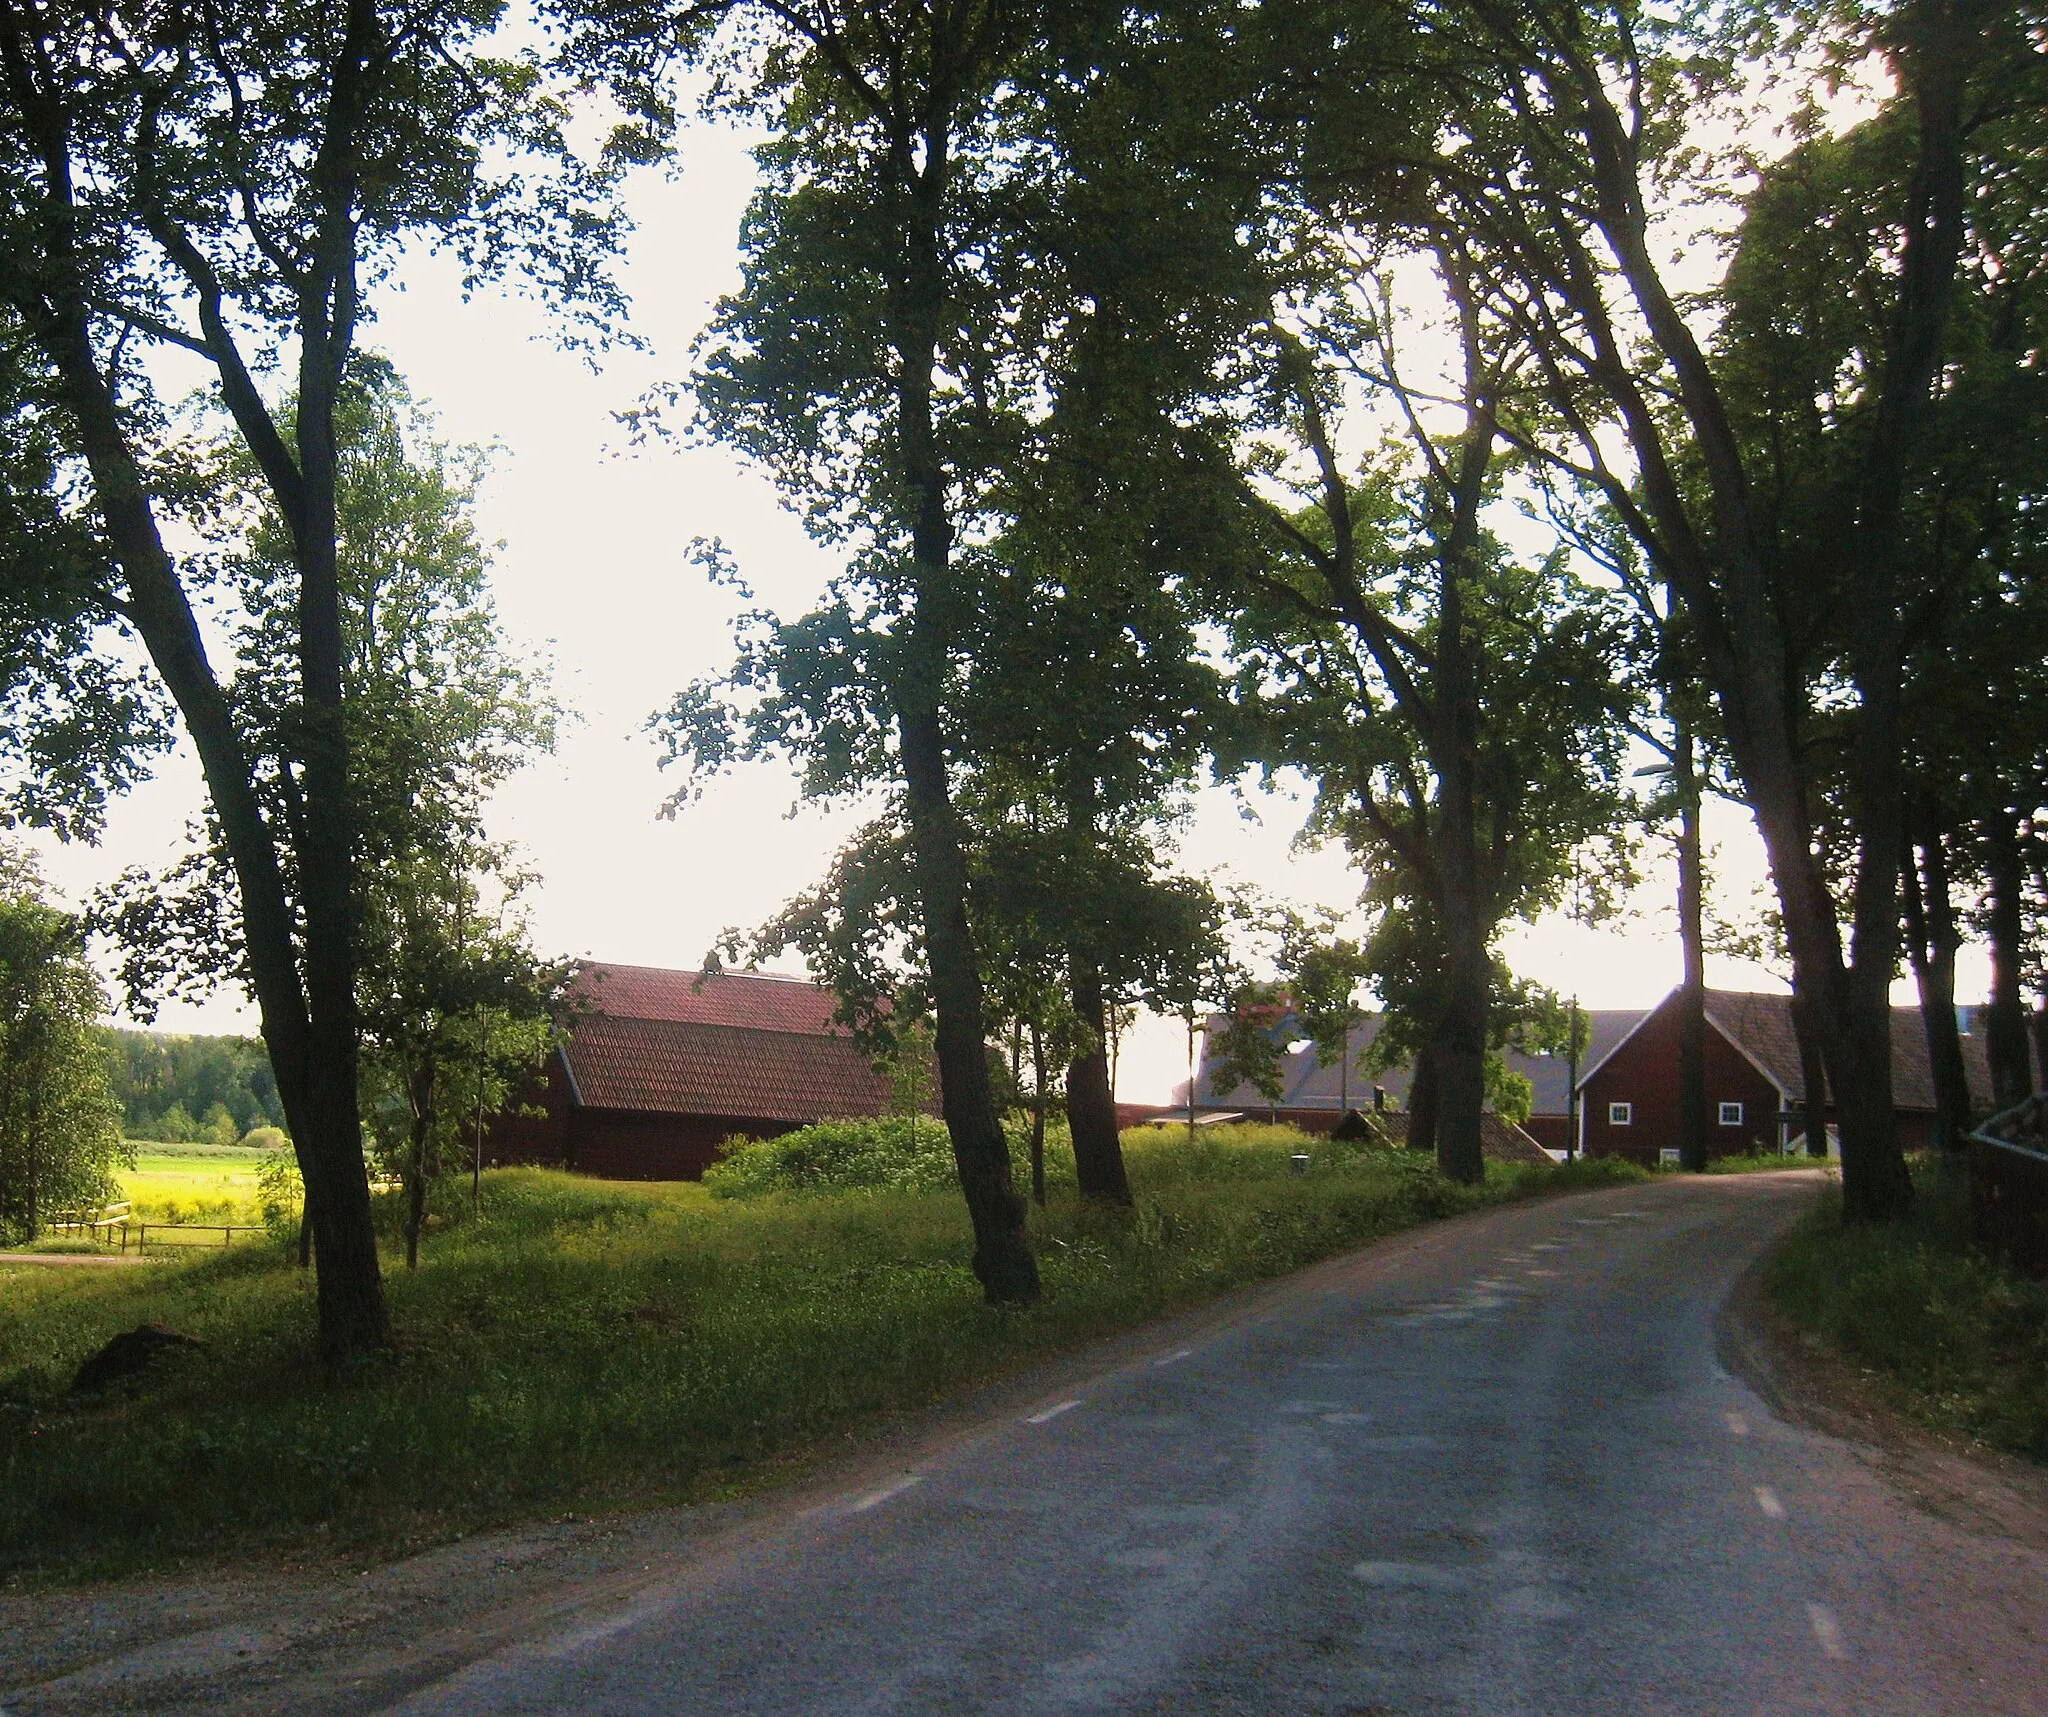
594	572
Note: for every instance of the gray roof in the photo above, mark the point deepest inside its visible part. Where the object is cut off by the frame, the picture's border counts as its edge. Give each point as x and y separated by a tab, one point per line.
1758	1024
1306	1085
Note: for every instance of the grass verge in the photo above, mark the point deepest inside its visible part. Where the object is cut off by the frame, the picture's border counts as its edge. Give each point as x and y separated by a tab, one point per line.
1959	1341
590	1345
1761	1162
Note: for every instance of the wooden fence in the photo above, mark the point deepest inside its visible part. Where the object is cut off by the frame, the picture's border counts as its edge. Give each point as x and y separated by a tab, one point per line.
115	1225
2009	1186
97	1224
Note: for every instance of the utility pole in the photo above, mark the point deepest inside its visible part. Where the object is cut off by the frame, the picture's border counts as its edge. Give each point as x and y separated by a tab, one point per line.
1571	1099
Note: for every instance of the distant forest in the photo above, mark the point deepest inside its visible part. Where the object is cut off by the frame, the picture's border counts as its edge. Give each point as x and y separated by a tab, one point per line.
191	1089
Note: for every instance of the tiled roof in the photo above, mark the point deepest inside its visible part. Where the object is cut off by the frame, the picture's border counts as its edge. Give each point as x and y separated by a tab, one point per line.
1761	1026
1304	1085
1504	1142
737	1045
685	1067
755	999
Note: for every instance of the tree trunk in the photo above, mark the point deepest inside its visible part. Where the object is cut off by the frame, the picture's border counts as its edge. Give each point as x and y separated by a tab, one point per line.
1454	744
1037	1115
1813	1076
1460	1041
1692	1010
2005	1026
1730	588
1571	1094
1931	944
1091	1109
1460	1060
415	1194
420	1093
1002	1246
314	1064
1424	1101
2040	1023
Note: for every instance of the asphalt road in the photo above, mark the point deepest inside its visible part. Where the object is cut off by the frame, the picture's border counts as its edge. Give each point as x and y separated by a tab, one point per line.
1494	1467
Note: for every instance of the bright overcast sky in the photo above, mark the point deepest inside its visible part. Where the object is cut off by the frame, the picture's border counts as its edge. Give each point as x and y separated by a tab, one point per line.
593	571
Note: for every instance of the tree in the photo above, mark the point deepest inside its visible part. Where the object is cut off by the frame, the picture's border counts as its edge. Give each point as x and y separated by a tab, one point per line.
1459	712
231	188
454	1007
863	363
60	1128
1577	120
154	1072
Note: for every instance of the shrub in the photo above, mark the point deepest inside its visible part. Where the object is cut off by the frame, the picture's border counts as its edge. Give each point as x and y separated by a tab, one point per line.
839	1156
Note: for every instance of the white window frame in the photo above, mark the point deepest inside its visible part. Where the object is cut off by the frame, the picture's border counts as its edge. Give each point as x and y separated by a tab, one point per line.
1621	1114
1731	1114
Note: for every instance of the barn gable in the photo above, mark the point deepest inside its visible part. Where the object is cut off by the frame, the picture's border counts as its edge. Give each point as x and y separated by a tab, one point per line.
1630	1096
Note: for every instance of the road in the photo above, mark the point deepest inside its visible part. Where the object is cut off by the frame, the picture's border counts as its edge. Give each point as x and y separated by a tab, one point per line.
1492	1467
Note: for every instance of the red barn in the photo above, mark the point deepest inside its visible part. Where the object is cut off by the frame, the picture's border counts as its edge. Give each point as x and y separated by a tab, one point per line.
665	1066
1629	1096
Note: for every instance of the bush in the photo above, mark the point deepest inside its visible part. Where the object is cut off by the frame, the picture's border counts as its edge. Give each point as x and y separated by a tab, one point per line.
839	1156
265	1139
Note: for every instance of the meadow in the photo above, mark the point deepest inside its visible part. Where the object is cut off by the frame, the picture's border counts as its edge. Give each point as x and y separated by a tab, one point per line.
192	1183
589	1345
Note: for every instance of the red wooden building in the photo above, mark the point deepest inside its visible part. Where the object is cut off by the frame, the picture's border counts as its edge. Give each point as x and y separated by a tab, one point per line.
664	1067
1755	1091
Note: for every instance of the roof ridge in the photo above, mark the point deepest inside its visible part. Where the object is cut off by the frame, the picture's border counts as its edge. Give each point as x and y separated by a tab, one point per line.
695	975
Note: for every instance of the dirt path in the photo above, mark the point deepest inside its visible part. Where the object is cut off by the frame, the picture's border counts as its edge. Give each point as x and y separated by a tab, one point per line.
74	1258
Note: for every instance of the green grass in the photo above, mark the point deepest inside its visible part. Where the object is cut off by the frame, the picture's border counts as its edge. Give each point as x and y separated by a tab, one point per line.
192	1183
593	1345
1960	1342
1760	1162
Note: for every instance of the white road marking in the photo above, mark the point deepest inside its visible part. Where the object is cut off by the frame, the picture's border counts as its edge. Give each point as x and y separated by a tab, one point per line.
1173	1358
1412	1576
875	1498
1767	1500
1347	1418
1826	1630
1543	1275
1053	1412
1534	1602
1737	1425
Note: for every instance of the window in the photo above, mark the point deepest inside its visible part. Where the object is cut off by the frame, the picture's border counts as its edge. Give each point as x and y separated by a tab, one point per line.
1731	1114
1621	1114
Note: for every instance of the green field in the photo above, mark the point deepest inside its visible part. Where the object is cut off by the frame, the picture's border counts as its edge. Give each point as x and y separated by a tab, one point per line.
596	1345
192	1183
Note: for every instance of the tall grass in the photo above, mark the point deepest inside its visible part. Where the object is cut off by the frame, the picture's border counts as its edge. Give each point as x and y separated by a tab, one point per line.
1960	1340
591	1345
